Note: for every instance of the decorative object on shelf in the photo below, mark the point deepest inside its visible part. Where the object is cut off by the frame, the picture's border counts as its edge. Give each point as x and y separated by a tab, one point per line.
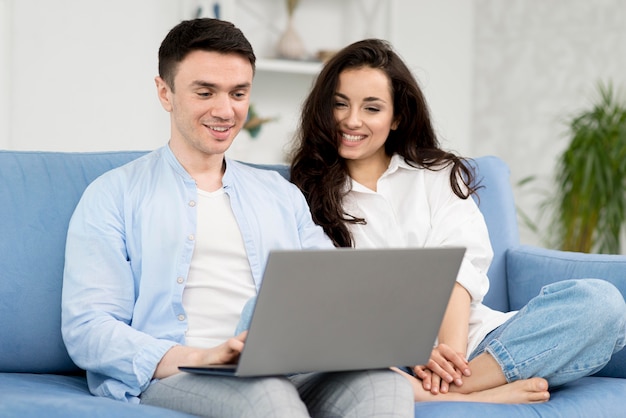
369	12
590	200
324	55
290	44
254	122
202	11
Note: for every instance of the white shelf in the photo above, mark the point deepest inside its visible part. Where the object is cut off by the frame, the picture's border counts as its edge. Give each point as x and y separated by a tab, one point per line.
288	66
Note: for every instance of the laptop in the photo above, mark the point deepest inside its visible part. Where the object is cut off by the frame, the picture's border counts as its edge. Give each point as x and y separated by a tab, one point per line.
345	309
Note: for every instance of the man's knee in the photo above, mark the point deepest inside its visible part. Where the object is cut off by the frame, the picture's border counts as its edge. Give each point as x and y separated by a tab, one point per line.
371	393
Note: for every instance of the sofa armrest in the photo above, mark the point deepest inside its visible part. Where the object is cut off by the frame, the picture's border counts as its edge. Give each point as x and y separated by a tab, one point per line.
530	268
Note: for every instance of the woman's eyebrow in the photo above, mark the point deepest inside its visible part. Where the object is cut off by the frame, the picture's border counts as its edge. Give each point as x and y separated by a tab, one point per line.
367	99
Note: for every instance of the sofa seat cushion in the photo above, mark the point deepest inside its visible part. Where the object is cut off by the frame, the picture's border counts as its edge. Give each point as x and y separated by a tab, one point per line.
530	268
25	395
598	397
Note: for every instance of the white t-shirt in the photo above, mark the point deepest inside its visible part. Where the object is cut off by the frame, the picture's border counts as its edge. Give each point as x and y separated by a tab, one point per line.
415	207
220	280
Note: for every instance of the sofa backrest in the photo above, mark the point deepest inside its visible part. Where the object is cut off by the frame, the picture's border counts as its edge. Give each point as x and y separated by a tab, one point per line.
497	204
38	193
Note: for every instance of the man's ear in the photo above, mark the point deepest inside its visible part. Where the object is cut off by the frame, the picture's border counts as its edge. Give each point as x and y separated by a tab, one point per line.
164	92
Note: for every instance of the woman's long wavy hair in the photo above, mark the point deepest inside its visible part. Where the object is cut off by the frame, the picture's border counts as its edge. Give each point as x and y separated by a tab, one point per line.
319	171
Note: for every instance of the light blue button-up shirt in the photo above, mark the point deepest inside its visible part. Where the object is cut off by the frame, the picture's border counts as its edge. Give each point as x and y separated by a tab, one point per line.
129	248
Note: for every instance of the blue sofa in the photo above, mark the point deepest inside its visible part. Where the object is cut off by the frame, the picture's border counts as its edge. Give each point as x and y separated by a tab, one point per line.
38	192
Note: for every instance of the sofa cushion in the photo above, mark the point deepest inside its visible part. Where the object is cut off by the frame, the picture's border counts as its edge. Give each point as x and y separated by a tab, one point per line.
530	268
46	395
597	397
38	193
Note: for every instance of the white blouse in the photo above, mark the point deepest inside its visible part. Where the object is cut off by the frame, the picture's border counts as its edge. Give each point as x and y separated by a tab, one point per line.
416	207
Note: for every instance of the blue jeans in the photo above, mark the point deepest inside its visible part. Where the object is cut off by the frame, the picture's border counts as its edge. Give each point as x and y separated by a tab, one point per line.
570	330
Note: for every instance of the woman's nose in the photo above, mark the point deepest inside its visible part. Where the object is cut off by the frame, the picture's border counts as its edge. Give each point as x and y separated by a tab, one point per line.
353	119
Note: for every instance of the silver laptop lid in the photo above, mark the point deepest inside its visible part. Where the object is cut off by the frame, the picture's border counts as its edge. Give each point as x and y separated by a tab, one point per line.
348	309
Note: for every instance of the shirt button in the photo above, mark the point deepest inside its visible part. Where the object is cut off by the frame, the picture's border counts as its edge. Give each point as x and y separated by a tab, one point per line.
181	317
180	280
191	237
192	203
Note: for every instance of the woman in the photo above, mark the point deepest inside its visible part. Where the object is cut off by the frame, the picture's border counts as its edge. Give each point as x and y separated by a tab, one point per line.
373	172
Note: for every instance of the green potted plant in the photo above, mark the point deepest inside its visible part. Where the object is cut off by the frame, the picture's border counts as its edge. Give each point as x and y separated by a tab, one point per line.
589	206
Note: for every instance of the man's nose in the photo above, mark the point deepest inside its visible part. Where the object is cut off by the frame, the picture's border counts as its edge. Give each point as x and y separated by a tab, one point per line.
222	107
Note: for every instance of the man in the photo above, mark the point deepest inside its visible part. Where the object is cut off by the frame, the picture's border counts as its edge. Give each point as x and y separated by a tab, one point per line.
163	253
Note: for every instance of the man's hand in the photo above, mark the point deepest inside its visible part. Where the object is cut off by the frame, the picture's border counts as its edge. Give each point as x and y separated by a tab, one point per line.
229	351
444	368
180	355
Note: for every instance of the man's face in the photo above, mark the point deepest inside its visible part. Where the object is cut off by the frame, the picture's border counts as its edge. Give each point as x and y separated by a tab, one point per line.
208	104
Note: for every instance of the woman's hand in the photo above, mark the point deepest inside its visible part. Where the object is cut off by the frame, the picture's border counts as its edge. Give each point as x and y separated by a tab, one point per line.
447	364
445	367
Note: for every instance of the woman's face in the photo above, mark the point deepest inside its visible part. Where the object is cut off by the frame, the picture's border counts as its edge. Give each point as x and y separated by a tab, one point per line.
363	109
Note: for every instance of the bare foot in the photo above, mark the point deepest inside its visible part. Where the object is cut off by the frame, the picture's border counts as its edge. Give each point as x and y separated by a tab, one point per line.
533	390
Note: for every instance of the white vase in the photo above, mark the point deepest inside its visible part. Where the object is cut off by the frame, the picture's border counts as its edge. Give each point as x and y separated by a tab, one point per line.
290	44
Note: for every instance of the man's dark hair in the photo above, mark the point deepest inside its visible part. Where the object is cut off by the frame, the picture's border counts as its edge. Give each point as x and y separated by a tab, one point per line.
205	34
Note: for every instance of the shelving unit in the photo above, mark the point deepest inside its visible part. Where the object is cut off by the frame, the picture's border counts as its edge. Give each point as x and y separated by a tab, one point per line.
263	21
287	66
322	24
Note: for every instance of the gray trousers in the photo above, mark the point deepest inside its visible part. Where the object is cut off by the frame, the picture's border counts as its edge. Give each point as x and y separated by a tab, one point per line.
379	393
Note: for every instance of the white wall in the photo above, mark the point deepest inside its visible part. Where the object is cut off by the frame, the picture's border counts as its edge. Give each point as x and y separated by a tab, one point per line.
436	38
6	32
537	62
82	74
